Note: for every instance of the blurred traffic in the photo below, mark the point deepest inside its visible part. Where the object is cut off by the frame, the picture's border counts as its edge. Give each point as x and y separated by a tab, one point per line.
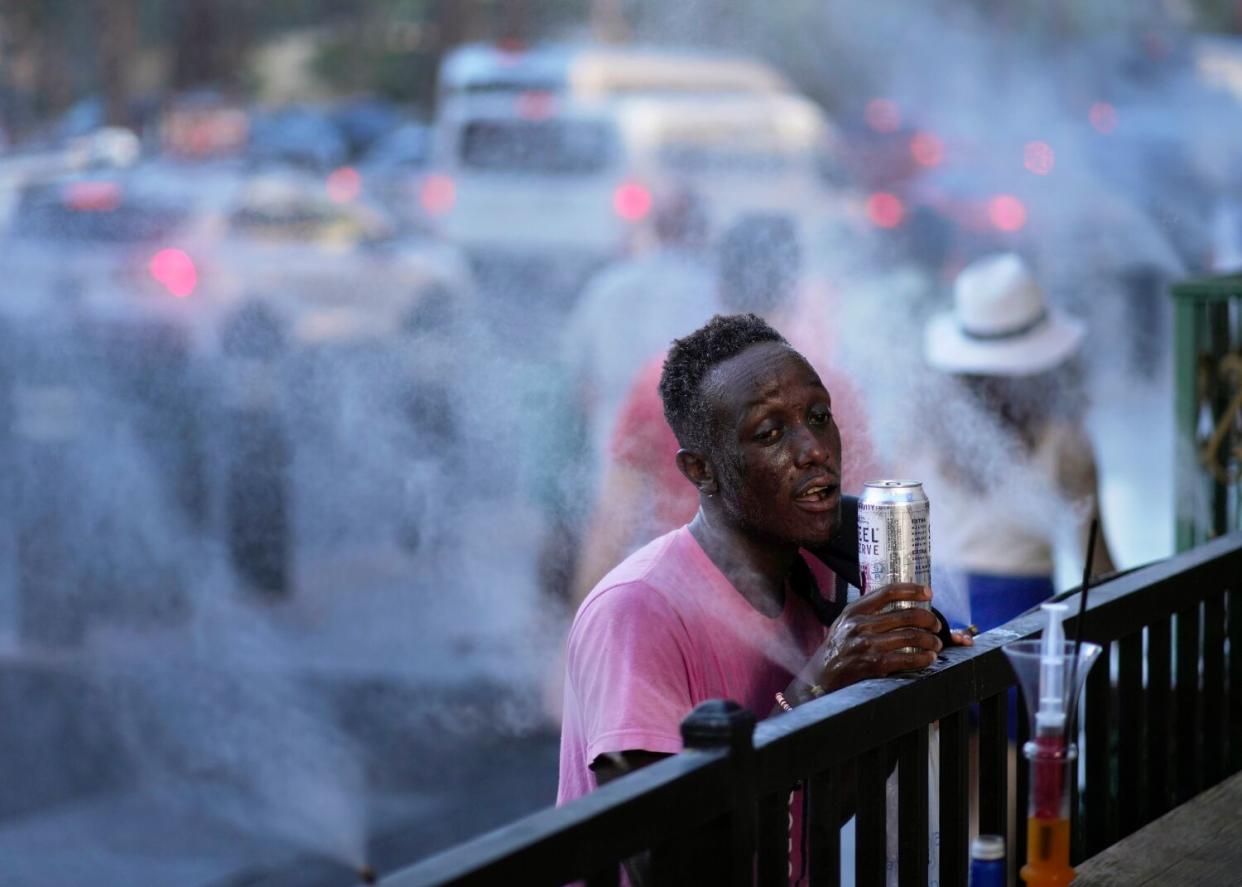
189	303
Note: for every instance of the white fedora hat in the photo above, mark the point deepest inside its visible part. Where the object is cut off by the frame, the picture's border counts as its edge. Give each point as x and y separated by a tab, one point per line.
1000	324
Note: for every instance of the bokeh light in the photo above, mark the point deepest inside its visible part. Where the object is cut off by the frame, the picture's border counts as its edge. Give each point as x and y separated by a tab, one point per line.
344	184
1039	158
885	210
438	194
926	149
883	115
632	202
89	196
1007	212
175	270
1103	117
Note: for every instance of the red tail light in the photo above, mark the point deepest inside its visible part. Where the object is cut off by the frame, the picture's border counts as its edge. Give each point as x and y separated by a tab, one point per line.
882	115
1006	212
438	194
926	149
632	202
1039	158
536	105
87	196
1103	117
344	184
885	210
175	270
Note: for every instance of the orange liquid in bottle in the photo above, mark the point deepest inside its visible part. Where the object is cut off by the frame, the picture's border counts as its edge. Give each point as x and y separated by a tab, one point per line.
1047	853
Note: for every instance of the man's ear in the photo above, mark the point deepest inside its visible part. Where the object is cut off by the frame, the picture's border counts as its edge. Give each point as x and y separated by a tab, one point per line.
698	470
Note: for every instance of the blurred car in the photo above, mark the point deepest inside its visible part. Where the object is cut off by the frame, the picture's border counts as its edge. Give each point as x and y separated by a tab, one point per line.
332	265
392	169
185	245
202	125
191	307
406	148
297	136
333	315
972	194
364	122
881	147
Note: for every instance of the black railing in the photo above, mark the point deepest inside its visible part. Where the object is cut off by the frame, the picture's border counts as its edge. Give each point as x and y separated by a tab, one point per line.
718	813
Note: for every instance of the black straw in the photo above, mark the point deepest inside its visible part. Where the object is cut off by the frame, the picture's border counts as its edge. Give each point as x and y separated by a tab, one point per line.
1082	604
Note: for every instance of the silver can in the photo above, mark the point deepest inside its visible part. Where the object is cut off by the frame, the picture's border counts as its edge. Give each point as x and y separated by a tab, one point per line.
894	538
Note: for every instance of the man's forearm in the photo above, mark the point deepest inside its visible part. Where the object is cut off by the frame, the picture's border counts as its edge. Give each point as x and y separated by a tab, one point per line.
608	767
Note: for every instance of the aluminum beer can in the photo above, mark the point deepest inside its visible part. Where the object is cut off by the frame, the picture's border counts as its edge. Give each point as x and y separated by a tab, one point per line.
894	538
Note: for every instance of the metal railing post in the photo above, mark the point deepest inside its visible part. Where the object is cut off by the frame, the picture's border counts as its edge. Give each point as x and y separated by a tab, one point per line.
726	853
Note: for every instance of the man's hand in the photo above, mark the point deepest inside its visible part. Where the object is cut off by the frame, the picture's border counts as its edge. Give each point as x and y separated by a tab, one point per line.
866	643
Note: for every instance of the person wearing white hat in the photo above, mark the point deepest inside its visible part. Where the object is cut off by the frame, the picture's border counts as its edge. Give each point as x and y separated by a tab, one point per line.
1013	467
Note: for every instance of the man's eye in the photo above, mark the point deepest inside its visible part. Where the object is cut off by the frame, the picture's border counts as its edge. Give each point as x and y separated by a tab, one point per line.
768	435
821	417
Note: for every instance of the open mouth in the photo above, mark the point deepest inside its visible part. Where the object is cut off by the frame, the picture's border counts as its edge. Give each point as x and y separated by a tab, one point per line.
819	496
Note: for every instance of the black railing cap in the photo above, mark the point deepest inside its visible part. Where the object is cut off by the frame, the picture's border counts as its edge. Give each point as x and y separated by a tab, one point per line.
716	723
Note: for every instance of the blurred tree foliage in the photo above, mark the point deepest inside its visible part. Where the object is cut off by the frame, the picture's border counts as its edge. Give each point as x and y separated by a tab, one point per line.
209	39
56	52
36	39
830	50
386	47
1220	15
393	47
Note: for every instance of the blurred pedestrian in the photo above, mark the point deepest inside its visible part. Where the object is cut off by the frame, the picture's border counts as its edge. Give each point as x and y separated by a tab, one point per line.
633	308
629	311
925	250
758	270
1008	463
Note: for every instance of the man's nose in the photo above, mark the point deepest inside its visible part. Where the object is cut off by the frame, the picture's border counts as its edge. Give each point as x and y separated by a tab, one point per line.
810	448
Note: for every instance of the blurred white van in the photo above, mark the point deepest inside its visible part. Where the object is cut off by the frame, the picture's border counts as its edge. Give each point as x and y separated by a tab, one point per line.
562	153
478	69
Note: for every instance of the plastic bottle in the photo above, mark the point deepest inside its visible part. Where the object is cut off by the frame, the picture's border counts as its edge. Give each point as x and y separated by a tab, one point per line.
987	861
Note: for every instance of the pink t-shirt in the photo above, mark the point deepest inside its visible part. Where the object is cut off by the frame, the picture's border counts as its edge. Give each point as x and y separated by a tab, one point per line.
664	631
661	633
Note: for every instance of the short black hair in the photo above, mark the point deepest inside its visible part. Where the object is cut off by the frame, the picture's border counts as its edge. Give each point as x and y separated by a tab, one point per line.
689	361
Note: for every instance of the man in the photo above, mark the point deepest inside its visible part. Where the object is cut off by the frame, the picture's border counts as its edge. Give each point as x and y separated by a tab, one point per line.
735	604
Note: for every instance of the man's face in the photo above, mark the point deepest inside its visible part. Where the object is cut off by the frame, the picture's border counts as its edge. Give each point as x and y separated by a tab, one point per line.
777	450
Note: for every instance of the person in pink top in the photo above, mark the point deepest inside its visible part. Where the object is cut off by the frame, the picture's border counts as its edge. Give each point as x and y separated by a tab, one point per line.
737	603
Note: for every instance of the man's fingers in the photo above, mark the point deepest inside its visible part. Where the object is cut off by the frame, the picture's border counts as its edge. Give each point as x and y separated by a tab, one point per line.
909	637
962	638
874	601
894	620
895	662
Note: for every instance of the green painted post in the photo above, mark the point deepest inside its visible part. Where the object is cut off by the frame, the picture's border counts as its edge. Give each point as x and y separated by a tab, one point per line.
1184	414
1201	330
